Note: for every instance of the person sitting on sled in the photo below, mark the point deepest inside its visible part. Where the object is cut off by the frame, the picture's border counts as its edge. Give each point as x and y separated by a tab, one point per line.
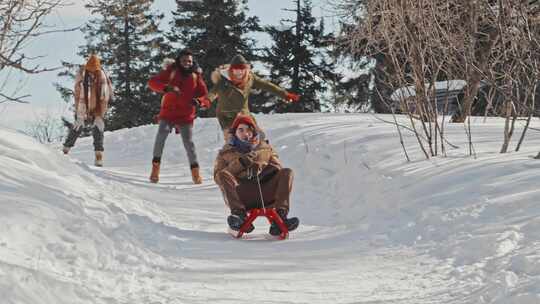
246	163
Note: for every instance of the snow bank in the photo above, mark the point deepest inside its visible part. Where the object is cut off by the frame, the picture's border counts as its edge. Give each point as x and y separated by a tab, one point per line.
373	227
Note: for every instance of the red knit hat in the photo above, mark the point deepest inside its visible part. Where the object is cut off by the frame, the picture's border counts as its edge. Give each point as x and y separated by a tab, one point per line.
246	119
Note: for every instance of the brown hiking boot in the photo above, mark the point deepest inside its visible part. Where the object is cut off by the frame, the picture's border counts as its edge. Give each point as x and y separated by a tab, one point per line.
154	176
197	179
99	159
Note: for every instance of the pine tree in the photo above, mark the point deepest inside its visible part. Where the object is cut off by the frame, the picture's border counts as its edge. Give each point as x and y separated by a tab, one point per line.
127	39
215	30
353	90
356	91
299	58
351	93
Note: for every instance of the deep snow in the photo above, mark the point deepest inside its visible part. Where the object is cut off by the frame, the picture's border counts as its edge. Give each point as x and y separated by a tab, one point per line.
374	228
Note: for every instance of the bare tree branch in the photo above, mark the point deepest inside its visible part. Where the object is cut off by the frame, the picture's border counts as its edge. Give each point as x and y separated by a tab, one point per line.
16	99
20	23
483	42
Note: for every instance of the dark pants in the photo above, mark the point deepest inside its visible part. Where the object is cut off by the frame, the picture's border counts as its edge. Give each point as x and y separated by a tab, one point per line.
75	133
245	195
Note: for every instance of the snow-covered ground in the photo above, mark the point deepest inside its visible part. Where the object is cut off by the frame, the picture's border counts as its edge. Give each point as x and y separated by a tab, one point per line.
374	228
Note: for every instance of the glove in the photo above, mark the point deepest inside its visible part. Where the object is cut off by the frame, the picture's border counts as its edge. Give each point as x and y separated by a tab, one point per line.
255	140
155	118
257	168
247	160
168	89
291	97
204	102
254	170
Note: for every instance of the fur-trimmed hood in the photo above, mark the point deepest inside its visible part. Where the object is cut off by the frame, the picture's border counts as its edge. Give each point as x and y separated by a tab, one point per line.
219	72
167	63
223	72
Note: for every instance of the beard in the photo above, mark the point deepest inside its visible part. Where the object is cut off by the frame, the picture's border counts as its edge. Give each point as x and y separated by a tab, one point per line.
185	71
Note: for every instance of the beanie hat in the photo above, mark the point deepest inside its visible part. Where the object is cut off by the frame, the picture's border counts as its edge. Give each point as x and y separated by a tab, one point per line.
239	62
93	64
243	119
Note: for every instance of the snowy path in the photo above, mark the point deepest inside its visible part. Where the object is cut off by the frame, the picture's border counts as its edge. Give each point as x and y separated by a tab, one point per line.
317	264
373	230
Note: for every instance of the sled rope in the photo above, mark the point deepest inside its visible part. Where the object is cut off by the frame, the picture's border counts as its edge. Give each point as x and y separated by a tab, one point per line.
260	191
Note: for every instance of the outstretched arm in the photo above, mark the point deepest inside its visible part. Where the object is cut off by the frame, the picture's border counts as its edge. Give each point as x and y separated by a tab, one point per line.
267	86
260	84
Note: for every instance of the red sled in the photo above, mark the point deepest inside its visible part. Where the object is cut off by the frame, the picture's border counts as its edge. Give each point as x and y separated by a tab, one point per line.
270	214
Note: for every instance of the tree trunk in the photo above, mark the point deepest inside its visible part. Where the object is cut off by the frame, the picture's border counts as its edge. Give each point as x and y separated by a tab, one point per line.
482	48
507	129
379	100
127	59
296	67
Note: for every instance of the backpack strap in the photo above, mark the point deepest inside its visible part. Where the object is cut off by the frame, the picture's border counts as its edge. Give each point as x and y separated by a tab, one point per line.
195	79
171	76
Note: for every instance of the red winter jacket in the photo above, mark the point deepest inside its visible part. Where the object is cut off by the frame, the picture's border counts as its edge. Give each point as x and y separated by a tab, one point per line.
176	107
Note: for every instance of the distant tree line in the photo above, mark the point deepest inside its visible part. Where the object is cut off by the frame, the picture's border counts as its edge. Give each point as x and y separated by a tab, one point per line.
300	56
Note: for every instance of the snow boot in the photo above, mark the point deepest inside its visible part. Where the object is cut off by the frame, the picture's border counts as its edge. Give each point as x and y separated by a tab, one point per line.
99	159
195	176
154	175
237	219
291	223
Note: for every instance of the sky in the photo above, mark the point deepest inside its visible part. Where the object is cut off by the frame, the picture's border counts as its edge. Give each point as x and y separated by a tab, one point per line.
64	46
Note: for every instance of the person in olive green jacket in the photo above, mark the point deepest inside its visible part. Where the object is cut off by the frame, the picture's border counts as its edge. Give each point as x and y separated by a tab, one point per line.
232	85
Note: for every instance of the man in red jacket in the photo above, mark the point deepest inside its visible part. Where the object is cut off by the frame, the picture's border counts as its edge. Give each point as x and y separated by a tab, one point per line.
182	86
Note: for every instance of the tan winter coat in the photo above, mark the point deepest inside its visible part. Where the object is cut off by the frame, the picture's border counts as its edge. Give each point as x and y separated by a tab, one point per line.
99	92
229	159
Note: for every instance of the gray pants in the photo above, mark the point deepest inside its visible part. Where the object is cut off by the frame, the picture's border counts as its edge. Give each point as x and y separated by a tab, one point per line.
187	138
75	132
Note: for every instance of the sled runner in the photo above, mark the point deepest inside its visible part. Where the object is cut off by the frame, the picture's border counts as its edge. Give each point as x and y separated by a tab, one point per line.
270	214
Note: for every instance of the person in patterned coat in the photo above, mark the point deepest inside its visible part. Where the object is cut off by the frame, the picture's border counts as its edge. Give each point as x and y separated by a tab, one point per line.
92	92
